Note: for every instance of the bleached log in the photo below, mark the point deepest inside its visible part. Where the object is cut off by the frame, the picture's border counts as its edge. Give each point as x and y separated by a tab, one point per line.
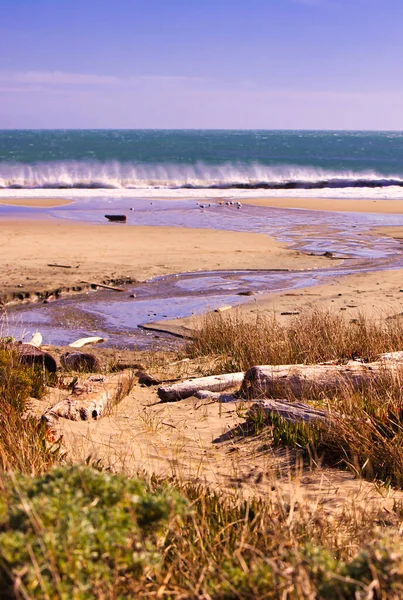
273	380
392	356
185	389
215	396
91	398
290	411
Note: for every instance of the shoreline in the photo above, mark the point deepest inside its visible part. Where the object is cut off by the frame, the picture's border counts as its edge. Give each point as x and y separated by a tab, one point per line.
309	203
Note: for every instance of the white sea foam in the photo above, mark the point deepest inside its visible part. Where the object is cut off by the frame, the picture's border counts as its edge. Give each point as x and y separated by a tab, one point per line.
115	179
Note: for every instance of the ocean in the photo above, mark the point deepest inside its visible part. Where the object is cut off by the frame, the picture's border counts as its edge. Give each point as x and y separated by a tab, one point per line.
303	163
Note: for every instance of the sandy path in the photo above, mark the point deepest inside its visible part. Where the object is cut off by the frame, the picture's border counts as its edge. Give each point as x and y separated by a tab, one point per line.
117	252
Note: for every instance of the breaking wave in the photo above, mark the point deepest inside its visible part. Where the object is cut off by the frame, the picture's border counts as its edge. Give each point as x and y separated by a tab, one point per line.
117	175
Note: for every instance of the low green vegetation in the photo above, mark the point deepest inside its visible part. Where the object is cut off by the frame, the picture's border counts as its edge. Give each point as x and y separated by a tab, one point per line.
78	533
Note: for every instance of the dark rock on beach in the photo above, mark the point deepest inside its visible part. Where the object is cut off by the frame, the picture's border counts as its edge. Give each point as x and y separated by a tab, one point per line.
31	355
79	361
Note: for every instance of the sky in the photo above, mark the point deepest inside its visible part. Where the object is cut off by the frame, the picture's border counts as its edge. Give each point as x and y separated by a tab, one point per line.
241	64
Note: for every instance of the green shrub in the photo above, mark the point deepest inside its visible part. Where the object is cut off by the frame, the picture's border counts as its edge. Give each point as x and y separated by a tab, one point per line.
78	533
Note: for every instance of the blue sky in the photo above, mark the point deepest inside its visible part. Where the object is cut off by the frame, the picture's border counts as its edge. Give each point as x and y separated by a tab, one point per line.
313	64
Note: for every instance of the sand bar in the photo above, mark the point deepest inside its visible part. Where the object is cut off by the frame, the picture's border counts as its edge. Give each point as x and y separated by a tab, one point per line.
117	251
35	202
326	204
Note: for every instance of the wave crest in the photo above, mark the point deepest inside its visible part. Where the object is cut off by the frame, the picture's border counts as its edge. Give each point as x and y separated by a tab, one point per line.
117	175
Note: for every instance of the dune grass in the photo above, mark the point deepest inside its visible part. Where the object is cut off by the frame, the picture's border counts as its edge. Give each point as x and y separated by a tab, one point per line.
24	441
76	532
314	336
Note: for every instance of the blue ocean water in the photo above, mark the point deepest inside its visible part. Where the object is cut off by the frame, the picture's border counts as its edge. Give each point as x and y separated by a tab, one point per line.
201	159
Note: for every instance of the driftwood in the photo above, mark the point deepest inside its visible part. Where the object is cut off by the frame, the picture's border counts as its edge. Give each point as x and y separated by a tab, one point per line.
36	340
88	340
91	398
103	285
293	412
185	389
272	380
215	396
59	266
116	218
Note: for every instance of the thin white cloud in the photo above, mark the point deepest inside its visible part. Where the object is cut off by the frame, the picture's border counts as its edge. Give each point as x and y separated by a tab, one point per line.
60	78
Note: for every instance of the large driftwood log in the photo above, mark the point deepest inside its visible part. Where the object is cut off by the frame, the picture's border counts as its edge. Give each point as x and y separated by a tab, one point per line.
290	411
273	380
91	398
185	389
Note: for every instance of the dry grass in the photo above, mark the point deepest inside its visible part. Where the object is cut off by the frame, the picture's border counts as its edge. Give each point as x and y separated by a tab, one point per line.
24	442
364	432
314	336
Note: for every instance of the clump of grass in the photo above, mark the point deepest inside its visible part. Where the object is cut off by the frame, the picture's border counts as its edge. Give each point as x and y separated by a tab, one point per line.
364	431
276	548
24	441
313	336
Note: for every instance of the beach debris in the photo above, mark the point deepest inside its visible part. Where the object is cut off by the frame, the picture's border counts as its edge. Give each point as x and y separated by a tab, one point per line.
177	362
62	266
245	293
293	412
214	396
36	340
31	355
213	383
272	380
87	340
222	309
80	361
116	218
103	285
133	296
91	398
328	254
146	380
391	356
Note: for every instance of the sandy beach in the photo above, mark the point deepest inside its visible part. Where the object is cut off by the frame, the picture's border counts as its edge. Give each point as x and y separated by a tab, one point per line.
331	205
35	202
114	252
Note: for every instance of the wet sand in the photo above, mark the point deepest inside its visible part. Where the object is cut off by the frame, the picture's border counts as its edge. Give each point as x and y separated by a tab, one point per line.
330	205
35	202
115	252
